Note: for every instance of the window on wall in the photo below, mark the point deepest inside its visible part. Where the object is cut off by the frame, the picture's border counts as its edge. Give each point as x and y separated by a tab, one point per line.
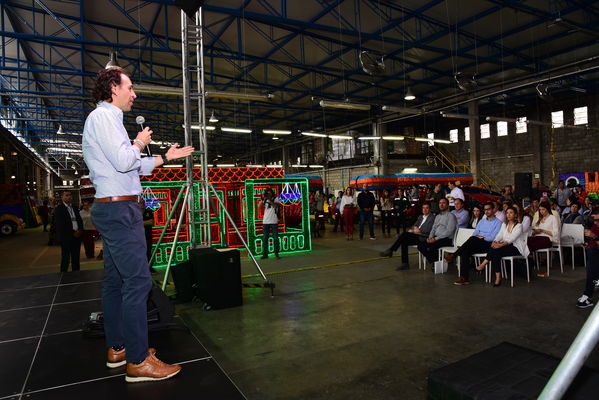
502	128
485	131
521	125
581	116
453	135
467	134
557	119
342	149
364	146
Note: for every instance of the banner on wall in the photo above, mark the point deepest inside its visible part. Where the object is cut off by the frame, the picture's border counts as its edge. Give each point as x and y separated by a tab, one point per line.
572	179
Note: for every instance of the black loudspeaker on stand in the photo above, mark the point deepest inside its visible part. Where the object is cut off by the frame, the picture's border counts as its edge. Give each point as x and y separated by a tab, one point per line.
523	184
212	276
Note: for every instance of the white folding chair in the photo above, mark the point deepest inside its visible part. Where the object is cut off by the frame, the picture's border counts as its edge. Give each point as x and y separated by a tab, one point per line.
572	236
478	259
421	259
511	260
548	252
461	235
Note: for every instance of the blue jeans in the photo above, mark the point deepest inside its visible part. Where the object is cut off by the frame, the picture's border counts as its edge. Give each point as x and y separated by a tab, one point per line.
366	215
266	230
127	280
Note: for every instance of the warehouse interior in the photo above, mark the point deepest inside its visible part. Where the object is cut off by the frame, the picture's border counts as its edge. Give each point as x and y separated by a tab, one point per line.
334	89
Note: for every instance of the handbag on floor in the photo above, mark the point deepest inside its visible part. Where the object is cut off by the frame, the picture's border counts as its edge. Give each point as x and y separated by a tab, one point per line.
440	267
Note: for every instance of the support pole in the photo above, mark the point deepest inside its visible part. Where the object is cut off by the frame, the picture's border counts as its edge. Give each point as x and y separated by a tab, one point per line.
579	351
170	216
170	257
474	142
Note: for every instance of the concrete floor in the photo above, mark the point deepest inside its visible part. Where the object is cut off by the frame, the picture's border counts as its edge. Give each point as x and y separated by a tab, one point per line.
356	328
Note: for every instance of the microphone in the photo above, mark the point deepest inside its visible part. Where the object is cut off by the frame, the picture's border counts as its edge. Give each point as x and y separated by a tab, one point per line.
140	120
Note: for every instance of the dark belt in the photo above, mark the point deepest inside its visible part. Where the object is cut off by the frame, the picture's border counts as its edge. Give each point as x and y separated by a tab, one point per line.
136	199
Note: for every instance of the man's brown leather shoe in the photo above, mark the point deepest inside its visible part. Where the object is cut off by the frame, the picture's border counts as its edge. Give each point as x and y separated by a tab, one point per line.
449	257
115	359
151	369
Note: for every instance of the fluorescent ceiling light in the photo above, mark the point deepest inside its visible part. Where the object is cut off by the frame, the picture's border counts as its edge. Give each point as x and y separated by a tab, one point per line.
197	165
342	137
225	165
276	132
254	166
274	166
236	130
346	105
458	116
197	127
422	139
299	166
63	150
314	134
275	138
409	170
442	141
315	166
393	137
173	166
177	91
369	138
401	110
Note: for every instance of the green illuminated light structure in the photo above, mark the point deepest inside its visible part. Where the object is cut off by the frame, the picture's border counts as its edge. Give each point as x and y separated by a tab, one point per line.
294	224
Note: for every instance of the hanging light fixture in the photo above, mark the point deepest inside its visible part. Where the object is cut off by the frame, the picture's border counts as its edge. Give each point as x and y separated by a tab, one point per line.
409	95
213	119
345	105
60	131
112	61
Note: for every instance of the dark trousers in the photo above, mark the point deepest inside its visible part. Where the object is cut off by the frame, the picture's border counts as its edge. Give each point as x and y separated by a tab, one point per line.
494	256
472	246
431	250
404	240
89	243
366	216
338	221
267	229
538	242
149	244
386	219
70	251
592	271
127	280
399	220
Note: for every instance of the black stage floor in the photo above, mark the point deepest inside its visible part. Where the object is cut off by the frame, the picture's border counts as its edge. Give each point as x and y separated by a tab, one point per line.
45	356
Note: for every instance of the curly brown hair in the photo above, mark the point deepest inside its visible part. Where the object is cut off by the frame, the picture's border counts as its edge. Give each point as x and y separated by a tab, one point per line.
105	80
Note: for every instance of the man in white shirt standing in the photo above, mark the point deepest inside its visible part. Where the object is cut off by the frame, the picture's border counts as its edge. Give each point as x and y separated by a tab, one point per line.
114	166
455	193
270	222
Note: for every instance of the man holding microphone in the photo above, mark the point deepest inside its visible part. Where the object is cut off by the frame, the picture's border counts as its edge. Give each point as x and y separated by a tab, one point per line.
114	168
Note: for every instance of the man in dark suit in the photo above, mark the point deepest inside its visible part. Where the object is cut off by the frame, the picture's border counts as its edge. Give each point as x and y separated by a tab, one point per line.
69	227
416	234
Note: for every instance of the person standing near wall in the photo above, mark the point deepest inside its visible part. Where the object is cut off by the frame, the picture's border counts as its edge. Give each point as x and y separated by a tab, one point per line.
270	222
69	228
89	230
366	202
347	208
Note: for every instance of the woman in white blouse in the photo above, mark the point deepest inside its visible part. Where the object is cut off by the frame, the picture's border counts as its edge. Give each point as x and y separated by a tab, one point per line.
508	242
545	231
346	208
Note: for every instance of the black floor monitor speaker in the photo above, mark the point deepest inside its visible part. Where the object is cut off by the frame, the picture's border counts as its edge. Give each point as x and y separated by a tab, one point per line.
189	6
523	184
217	277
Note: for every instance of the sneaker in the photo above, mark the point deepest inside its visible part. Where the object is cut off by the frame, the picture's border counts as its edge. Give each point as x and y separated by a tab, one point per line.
386	253
596	283
461	281
584	302
151	369
115	359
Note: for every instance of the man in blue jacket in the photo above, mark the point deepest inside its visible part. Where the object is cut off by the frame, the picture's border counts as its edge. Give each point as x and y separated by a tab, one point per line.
479	242
366	202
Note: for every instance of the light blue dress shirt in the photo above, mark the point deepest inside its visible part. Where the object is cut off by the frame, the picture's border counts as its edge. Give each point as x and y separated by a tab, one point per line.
114	163
463	217
489	228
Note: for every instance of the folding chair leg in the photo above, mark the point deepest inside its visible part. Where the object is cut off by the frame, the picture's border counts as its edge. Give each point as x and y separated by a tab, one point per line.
512	271
584	254
527	271
572	257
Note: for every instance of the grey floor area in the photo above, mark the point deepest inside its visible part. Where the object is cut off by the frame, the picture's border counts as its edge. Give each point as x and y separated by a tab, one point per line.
354	327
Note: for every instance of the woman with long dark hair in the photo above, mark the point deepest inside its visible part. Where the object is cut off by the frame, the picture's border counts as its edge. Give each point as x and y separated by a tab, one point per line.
545	231
386	208
347	209
508	242
477	214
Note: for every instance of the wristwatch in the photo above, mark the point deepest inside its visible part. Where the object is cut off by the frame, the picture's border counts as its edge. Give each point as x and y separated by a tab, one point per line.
164	160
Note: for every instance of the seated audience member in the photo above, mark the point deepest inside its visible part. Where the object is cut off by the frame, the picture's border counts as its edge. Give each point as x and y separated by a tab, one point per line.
413	236
498	211
509	242
567	210
555	207
454	193
535	191
507	194
573	217
479	242
433	197
587	207
545	231
477	212
441	234
536	215
462	215
591	237
524	218
579	193
414	194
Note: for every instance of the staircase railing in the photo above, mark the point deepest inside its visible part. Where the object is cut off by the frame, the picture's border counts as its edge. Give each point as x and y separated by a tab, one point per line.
447	160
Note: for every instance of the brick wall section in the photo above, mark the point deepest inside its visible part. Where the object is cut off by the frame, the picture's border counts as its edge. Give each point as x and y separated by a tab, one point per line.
575	150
